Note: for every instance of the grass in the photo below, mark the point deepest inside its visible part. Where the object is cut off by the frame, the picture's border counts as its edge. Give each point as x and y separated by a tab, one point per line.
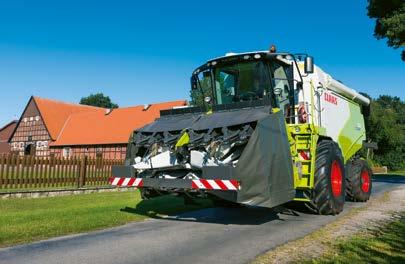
27	220
391	173
386	245
399	172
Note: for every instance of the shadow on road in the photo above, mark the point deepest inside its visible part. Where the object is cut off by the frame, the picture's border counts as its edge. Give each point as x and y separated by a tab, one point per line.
226	216
203	212
389	178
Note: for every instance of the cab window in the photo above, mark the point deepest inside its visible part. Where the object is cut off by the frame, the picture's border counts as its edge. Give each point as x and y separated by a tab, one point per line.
281	86
241	81
202	89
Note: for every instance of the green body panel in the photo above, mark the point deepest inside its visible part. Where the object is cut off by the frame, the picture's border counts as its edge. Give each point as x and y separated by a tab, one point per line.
353	133
304	138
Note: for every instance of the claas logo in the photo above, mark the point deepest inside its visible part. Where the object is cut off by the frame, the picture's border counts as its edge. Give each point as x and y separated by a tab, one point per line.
331	99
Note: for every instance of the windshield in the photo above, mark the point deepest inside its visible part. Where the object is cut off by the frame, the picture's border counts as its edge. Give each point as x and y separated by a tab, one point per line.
241	81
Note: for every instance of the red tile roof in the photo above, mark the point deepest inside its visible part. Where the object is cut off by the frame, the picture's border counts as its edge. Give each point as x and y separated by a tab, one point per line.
55	113
7	130
5	134
97	127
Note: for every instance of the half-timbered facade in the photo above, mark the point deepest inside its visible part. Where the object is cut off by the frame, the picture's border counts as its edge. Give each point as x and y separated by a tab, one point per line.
49	127
41	123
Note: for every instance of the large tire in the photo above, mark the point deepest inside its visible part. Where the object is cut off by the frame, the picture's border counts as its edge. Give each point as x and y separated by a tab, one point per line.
328	196
358	180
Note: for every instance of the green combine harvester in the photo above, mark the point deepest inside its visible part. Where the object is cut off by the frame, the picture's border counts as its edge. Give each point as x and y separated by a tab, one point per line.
263	129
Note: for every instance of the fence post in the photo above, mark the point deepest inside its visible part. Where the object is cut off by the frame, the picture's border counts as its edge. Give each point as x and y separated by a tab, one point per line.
2	161
82	171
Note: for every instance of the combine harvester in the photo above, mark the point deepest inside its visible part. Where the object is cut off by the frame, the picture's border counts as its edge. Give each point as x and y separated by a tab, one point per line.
264	129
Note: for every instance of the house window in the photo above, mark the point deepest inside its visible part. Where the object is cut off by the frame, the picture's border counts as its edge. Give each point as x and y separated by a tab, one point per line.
67	152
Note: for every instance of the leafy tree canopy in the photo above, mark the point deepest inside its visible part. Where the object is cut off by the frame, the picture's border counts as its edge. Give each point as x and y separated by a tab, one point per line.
390	21
98	99
386	126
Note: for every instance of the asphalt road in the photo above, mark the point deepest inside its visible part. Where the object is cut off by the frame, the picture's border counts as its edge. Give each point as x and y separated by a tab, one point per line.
215	235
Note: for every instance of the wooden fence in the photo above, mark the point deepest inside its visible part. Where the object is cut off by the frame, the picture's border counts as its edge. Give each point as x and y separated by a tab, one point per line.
32	172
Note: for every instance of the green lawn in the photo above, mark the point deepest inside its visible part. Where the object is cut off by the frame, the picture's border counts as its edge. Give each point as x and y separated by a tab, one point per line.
386	245
400	172
25	220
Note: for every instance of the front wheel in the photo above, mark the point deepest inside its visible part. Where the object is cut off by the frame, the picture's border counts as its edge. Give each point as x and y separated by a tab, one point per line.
328	195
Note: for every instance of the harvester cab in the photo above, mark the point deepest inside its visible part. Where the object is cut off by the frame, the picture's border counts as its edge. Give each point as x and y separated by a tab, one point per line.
238	78
263	129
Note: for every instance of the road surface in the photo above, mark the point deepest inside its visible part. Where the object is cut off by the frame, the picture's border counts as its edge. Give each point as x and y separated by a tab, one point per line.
215	235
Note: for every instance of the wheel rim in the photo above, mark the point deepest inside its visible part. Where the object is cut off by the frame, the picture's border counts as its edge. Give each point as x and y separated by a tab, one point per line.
336	179
365	181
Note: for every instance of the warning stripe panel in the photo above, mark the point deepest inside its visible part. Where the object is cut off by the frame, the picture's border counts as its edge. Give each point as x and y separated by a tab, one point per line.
223	185
231	184
138	182
196	184
203	184
305	155
125	182
131	181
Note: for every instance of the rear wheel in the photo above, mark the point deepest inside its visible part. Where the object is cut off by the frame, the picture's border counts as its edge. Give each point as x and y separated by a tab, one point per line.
328	195
358	180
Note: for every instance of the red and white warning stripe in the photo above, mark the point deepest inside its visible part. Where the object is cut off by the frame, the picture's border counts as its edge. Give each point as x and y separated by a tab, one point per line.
126	182
305	155
224	185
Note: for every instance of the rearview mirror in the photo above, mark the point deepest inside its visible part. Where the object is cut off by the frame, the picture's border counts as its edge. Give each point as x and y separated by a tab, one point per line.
309	64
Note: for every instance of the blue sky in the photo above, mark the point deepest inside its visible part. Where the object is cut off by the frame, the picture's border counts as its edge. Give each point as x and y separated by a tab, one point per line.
144	51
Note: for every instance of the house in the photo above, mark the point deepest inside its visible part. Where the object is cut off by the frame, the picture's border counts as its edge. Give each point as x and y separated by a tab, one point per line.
49	127
5	134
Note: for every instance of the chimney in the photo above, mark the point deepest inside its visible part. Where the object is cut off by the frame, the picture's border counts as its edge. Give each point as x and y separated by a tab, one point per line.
146	107
108	111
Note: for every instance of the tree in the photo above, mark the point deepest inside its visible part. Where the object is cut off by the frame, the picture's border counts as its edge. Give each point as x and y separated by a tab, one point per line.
98	99
390	21
386	126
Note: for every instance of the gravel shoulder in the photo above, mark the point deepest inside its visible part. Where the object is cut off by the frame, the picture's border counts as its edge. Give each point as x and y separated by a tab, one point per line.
374	214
